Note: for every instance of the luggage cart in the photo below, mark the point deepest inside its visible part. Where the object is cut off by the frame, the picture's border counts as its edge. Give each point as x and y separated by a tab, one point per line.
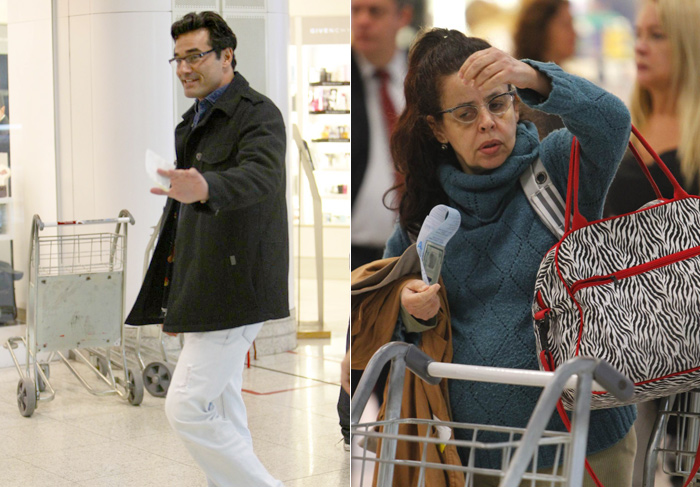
674	439
519	446
158	373
76	302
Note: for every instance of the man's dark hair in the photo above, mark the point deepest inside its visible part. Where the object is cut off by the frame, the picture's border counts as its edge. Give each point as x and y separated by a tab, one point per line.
220	34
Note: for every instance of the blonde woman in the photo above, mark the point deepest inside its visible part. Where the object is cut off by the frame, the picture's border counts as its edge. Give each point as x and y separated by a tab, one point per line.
664	102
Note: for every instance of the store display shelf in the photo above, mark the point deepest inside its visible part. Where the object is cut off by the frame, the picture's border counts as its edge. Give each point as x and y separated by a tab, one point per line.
330	83
330	140
329	112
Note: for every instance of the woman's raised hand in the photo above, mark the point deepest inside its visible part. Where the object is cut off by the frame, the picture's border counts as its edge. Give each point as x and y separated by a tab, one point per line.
490	68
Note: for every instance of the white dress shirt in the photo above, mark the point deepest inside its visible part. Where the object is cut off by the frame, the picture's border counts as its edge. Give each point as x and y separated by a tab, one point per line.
372	222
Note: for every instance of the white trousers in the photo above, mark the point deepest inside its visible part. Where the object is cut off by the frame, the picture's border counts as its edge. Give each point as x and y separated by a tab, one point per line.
205	407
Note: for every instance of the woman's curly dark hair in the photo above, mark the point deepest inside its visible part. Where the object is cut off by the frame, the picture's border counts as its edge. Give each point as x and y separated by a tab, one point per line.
416	153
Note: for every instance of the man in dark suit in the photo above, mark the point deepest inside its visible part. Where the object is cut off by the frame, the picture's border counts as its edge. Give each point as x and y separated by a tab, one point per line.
378	69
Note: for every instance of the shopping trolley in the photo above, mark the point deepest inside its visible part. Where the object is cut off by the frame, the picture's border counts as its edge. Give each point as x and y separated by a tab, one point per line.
75	304
157	373
674	440
519	447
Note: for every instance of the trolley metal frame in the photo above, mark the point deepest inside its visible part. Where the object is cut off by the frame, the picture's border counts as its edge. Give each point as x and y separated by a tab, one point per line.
77	286
158	373
676	450
521	447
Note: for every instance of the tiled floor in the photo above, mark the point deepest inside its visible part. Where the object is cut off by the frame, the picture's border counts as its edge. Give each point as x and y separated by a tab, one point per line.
80	440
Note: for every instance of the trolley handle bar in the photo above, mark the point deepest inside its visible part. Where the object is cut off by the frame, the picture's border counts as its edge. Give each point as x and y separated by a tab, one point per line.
419	363
613	381
122	219
605	376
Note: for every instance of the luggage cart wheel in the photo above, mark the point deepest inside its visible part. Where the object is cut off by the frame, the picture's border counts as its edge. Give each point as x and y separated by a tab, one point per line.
135	388
156	378
26	397
102	366
39	381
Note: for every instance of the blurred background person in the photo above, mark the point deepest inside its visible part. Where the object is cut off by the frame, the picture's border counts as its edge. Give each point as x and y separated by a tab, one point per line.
490	20
664	109
544	31
664	103
378	68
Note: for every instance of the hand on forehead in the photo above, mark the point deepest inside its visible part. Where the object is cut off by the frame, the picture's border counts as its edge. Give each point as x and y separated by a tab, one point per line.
491	68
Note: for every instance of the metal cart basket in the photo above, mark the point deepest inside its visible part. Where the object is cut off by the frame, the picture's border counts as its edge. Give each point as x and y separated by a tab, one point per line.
519	447
76	304
674	439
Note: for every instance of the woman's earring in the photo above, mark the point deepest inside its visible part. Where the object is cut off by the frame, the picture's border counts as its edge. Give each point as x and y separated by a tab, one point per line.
443	146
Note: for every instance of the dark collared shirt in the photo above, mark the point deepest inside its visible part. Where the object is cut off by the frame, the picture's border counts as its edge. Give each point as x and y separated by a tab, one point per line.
201	107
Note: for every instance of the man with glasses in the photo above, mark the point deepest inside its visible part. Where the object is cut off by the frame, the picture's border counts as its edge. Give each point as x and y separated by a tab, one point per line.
220	267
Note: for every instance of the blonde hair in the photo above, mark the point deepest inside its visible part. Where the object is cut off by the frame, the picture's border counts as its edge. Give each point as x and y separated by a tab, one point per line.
679	19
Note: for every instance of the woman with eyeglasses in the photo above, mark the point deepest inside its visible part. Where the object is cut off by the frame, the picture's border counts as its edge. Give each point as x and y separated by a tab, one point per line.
459	142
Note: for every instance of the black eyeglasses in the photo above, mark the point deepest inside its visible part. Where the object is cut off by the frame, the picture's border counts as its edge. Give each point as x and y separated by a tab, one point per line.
191	59
468	112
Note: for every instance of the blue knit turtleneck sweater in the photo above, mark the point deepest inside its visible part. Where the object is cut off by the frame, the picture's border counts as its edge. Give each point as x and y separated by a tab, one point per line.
491	263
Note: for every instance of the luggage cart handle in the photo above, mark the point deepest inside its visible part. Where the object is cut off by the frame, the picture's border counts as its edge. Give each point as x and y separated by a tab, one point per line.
605	377
124	217
613	381
419	363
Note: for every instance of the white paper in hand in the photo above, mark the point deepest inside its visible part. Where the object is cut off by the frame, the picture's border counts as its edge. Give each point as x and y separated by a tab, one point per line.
155	162
437	229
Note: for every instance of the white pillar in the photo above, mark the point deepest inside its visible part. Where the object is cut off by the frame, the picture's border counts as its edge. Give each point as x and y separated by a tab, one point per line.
262	30
32	142
115	92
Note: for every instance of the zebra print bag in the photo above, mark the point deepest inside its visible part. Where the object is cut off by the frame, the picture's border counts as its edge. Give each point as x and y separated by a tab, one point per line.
625	289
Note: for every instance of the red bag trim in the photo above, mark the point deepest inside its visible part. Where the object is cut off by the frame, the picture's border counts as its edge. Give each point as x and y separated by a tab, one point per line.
636	270
660	203
689	371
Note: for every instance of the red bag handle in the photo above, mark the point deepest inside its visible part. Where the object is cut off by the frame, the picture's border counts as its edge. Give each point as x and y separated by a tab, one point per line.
576	220
694	470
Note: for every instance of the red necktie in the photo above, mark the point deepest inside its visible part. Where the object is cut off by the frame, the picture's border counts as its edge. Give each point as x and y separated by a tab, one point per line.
390	117
388	109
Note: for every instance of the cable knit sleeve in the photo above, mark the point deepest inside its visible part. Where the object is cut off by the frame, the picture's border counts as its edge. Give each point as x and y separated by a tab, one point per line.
599	120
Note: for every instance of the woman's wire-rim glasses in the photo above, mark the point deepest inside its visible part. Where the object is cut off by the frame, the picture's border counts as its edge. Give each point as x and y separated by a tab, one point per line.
468	112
